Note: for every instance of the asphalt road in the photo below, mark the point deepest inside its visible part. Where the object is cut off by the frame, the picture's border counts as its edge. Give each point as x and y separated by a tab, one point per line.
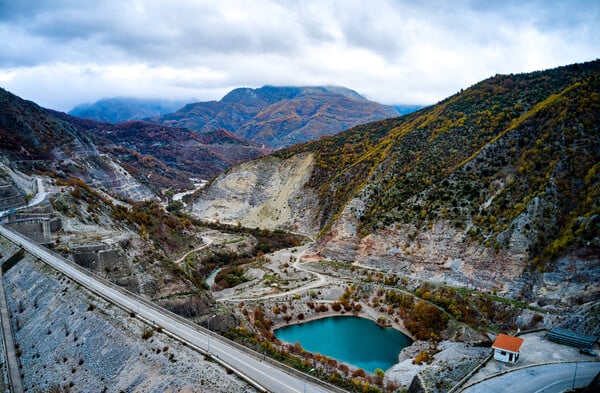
261	373
549	378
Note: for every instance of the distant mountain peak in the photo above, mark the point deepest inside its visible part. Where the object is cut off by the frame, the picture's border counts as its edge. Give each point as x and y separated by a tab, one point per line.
280	116
120	109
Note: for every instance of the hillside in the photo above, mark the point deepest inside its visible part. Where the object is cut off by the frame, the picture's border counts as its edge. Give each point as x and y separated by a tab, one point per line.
487	185
280	116
61	329
122	109
32	140
138	144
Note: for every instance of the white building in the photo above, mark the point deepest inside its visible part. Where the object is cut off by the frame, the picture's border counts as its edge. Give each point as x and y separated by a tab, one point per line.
506	348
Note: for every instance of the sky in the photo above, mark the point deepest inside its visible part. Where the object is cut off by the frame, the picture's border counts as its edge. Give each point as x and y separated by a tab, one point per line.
61	53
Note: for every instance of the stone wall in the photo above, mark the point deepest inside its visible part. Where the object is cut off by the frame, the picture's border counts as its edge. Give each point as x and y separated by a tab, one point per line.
97	257
37	228
10	196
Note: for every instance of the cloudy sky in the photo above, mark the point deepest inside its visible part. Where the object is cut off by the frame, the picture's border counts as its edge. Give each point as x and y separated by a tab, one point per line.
60	53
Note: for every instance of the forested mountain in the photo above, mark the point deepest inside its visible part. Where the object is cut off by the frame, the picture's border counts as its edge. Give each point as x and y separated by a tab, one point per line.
280	116
33	140
122	109
194	153
500	178
134	160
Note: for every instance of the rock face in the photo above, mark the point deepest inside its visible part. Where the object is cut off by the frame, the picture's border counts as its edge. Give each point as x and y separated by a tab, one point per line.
266	193
71	340
104	173
441	253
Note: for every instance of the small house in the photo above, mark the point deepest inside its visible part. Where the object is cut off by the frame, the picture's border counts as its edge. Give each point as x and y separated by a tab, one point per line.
506	348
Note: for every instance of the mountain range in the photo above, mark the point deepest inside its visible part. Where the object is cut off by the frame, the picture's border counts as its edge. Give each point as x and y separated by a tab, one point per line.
491	185
134	160
280	116
162	156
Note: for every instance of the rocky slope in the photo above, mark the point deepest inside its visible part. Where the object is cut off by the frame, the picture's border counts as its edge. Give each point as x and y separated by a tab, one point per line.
498	181
265	193
70	340
280	116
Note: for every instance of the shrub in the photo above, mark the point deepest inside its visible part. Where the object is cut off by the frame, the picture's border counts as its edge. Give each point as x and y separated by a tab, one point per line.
147	334
422	357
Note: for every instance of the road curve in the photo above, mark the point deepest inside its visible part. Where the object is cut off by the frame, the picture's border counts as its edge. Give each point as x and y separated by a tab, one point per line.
262	374
320	281
207	241
547	378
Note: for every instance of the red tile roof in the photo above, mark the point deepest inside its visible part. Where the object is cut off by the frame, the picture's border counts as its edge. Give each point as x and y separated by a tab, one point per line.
508	343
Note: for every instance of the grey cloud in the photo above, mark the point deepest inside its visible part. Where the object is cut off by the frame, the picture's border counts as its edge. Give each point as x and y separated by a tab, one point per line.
154	31
385	48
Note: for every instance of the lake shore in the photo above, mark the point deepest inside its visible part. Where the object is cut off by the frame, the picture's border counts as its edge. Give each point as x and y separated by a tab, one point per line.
366	312
353	340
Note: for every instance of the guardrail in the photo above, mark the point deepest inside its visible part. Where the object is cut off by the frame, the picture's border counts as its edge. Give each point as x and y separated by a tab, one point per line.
33	249
10	352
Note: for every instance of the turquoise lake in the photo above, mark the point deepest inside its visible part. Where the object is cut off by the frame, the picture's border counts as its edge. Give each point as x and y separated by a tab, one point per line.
356	341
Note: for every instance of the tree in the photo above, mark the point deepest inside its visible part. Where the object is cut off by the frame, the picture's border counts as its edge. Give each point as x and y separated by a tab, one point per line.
379	375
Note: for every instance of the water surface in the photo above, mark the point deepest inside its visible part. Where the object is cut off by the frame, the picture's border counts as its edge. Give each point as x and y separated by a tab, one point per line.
357	341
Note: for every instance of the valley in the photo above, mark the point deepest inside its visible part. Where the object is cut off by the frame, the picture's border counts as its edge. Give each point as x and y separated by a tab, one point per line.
476	216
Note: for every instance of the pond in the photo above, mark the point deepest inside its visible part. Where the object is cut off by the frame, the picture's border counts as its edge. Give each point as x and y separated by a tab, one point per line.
356	341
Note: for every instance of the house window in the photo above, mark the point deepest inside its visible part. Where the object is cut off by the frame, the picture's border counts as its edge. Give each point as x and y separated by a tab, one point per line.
503	353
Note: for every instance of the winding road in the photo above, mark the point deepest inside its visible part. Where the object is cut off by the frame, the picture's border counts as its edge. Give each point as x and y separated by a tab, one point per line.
320	281
207	241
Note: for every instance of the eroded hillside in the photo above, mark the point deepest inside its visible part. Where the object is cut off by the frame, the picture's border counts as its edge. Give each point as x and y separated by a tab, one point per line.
266	193
490	184
32	140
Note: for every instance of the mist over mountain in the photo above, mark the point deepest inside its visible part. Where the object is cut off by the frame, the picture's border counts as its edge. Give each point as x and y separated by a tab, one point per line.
280	116
406	109
121	109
